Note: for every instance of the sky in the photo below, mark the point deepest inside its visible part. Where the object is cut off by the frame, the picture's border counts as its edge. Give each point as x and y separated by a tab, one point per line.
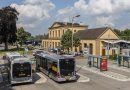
36	16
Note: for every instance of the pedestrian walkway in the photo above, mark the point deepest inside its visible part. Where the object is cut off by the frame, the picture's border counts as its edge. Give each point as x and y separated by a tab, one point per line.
108	74
120	68
82	78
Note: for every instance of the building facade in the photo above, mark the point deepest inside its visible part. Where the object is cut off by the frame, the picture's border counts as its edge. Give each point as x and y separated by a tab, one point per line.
95	39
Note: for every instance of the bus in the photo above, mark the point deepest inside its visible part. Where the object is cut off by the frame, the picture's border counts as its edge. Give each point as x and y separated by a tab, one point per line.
20	68
57	67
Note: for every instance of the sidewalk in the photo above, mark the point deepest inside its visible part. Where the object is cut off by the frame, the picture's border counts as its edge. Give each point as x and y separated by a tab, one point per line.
109	74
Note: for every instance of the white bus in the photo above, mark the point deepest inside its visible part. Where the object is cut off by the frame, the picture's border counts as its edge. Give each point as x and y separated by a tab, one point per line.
20	68
59	68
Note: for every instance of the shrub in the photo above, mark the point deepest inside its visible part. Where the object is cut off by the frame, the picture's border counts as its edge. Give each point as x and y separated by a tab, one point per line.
30	47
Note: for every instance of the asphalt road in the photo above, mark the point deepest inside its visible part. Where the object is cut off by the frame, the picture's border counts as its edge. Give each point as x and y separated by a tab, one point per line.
97	82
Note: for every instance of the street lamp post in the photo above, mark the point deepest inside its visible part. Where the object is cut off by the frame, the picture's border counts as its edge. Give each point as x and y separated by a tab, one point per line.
72	28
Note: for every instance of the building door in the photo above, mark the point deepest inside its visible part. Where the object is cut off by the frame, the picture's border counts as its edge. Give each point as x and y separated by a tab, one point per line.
103	52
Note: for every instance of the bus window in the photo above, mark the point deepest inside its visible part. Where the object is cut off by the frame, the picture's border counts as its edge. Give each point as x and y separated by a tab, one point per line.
67	66
45	64
21	70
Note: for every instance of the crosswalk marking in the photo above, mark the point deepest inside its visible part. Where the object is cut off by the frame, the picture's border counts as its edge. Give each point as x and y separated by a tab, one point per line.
108	74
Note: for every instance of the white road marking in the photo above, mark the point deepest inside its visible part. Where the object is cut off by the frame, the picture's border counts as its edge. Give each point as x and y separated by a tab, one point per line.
42	79
83	78
108	74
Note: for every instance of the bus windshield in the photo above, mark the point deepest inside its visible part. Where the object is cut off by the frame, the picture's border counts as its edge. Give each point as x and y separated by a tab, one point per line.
21	70
67	66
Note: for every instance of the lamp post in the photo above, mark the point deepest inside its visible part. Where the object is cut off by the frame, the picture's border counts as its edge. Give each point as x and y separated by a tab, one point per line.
72	28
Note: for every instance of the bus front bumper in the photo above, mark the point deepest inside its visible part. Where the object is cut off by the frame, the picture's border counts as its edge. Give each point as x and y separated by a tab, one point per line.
21	81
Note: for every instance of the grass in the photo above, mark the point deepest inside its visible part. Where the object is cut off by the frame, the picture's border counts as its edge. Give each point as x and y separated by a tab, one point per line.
20	50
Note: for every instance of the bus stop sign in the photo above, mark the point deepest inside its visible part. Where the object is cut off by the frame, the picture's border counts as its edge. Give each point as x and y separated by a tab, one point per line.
103	64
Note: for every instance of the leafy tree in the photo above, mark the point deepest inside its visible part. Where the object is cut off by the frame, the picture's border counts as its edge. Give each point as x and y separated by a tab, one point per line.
117	32
38	37
22	35
66	40
124	34
8	18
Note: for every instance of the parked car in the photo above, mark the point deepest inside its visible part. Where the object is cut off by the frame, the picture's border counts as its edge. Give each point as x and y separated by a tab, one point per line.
37	52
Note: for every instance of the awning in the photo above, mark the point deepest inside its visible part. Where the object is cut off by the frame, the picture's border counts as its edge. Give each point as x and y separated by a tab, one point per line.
116	41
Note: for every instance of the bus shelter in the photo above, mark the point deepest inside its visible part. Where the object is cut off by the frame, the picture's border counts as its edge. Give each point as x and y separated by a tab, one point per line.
97	62
123	61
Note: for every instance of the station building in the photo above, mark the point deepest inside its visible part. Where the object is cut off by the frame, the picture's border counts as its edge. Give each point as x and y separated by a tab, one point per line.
96	39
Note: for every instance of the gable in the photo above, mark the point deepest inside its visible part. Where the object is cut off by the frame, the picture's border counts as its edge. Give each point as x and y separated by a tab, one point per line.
109	34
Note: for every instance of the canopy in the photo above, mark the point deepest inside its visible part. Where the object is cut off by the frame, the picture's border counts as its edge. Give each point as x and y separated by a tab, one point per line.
116	41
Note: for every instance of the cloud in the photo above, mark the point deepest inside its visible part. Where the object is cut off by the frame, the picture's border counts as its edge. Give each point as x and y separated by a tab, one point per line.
107	21
33	12
98	12
65	10
102	6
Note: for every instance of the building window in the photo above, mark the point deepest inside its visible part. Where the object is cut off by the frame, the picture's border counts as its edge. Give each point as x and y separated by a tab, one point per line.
59	33
63	31
85	45
55	44
50	33
53	33
91	48
58	43
56	33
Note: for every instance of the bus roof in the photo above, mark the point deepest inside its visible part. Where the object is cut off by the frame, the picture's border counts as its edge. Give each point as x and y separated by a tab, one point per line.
11	54
55	57
21	59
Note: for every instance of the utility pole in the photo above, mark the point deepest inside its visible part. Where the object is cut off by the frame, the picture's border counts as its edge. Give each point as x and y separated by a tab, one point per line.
72	28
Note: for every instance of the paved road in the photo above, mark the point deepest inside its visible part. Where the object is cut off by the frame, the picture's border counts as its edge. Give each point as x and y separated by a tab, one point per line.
95	82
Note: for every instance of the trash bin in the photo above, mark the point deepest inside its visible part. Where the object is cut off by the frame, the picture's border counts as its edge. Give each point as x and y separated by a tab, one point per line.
103	64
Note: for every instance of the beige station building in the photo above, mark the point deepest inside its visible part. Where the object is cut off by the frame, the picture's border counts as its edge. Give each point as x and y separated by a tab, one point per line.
95	38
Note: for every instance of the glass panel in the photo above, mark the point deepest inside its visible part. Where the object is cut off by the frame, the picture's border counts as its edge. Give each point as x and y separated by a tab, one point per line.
21	70
67	66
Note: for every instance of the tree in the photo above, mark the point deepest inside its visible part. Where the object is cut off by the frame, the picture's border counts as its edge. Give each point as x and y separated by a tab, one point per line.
124	34
66	40
117	32
8	18
22	35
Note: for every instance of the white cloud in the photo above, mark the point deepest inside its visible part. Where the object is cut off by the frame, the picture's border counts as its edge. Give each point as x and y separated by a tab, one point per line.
33	11
65	10
102	6
105	21
98	12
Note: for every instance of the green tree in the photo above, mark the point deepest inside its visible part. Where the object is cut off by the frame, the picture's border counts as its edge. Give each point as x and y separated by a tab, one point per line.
124	34
66	40
22	35
8	18
117	31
